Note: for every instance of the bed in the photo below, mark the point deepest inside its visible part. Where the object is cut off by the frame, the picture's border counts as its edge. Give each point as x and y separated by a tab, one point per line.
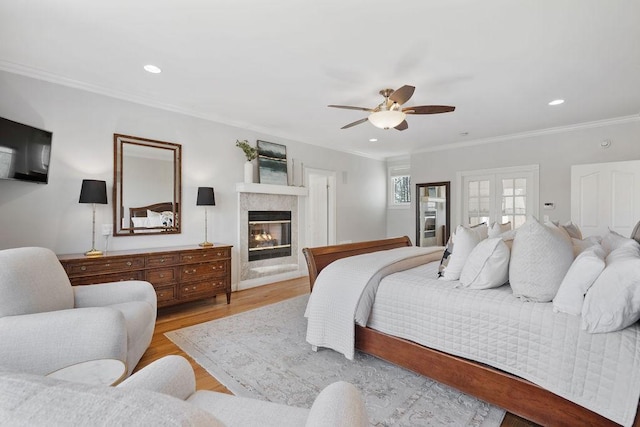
511	392
163	218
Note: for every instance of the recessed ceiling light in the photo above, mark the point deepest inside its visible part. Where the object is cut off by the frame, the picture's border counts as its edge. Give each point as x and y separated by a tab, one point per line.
152	69
557	102
373	139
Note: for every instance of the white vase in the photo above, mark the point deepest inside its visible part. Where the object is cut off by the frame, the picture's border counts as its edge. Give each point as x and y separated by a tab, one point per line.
248	172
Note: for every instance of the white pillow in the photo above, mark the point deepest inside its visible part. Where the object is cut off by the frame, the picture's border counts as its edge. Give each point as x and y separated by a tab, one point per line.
612	241
573	230
497	229
464	241
487	265
583	272
139	221
587	242
540	258
154	219
613	302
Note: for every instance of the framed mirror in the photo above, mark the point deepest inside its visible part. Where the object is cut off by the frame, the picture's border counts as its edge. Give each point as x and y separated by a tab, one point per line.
433	213
146	186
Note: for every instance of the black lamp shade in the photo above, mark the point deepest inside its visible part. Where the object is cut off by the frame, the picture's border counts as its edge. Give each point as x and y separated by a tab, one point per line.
93	191
206	197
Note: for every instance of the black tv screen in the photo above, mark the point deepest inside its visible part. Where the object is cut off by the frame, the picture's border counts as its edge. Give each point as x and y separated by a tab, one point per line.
25	152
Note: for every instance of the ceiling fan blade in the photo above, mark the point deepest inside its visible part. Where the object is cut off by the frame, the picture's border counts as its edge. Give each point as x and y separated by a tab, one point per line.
428	109
402	126
347	107
402	95
355	123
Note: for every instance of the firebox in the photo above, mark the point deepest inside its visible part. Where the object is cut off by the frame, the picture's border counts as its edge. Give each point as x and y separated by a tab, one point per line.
269	234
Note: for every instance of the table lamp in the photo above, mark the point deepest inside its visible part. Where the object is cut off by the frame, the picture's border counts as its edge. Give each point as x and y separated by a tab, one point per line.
206	197
93	192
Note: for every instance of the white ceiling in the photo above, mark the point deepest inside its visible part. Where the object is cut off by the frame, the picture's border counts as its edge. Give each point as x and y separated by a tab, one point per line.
274	66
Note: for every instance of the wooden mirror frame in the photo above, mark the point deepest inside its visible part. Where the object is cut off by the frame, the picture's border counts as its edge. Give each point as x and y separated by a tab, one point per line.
447	230
173	206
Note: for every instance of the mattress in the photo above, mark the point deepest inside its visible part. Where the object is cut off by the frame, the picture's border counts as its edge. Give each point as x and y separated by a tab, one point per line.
598	371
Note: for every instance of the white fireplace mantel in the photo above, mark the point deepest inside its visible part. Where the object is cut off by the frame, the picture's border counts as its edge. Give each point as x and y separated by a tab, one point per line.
284	190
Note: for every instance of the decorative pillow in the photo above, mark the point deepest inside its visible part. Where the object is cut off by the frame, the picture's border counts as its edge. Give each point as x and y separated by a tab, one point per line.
139	221
498	229
445	256
573	230
540	258
612	241
613	302
587	242
167	218
487	265
583	272
154	219
465	240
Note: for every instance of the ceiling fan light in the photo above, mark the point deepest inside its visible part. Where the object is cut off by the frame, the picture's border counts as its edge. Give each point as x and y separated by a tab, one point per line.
386	119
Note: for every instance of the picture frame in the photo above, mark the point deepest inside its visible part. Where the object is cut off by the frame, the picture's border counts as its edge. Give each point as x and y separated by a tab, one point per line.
272	163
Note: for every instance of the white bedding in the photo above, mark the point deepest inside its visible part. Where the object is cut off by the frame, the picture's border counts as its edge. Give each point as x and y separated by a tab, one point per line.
598	371
354	280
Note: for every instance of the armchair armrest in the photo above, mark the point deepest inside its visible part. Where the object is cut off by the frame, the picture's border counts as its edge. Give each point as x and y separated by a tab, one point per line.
170	375
40	343
110	293
338	405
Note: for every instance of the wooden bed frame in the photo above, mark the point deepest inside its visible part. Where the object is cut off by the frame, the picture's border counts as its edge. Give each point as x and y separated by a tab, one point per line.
514	394
141	212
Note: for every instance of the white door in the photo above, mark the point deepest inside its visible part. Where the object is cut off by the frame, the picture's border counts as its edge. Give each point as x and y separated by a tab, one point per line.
320	208
605	195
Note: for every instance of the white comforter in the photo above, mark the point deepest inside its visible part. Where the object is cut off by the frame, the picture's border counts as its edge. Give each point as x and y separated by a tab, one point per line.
598	371
344	284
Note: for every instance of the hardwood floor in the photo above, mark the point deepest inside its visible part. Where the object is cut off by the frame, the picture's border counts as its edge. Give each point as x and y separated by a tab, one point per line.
172	318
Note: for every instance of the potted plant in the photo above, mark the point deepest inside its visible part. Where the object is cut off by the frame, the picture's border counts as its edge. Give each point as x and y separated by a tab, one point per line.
250	153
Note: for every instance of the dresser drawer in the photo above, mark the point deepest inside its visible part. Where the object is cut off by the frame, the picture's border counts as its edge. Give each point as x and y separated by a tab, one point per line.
201	271
161	275
162	260
104	265
165	293
205	255
104	278
208	288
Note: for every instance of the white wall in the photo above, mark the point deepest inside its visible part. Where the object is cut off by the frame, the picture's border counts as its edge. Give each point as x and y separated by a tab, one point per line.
83	125
554	152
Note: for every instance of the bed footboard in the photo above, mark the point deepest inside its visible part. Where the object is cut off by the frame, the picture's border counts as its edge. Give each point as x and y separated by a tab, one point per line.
318	258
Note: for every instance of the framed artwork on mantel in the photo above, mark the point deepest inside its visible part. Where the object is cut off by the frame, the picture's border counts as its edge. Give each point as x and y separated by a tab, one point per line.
272	163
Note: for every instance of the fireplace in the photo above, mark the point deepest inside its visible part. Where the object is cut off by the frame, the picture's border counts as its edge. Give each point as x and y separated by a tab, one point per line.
269	234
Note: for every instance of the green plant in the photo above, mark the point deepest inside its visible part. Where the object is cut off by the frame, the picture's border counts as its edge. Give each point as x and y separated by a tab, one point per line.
249	151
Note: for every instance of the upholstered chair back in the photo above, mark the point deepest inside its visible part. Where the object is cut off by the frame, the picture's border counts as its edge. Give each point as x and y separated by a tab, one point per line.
32	280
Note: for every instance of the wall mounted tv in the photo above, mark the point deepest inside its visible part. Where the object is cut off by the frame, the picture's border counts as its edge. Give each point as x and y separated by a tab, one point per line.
24	152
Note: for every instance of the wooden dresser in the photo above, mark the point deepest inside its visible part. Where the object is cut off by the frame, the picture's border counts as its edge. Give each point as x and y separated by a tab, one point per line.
178	274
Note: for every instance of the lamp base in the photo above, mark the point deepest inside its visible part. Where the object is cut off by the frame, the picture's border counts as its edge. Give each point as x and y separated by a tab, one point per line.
93	252
205	244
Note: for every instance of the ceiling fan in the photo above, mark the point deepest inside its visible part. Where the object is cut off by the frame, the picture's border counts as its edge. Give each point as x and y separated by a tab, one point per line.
390	113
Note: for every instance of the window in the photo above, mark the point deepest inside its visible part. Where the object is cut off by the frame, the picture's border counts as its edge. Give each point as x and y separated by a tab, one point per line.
499	195
399	187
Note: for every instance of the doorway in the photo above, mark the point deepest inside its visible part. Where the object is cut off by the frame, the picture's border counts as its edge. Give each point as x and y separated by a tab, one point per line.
321	207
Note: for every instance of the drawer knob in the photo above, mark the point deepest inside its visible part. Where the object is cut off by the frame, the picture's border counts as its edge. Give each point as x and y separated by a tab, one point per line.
194	288
83	268
213	268
161	275
107	265
219	253
129	263
188	257
193	270
161	294
161	260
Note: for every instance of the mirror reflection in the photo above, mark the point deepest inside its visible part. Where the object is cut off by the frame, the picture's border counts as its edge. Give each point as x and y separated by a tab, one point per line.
146	189
432	214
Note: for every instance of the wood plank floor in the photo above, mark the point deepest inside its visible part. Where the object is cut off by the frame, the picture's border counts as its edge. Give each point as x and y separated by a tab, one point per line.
172	318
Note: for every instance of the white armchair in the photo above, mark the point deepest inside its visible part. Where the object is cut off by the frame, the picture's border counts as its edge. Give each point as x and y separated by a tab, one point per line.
47	324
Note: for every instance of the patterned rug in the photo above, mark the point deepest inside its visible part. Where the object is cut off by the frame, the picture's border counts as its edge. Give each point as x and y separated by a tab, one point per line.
263	354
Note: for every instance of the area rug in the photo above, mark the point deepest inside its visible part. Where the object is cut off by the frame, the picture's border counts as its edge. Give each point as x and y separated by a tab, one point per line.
263	354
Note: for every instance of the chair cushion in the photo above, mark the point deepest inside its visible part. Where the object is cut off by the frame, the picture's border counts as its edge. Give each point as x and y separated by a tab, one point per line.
32	280
39	401
139	318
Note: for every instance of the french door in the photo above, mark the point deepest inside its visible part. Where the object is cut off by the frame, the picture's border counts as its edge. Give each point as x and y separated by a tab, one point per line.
498	195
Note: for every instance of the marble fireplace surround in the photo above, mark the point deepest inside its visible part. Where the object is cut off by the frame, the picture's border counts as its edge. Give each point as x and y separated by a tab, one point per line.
266	197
